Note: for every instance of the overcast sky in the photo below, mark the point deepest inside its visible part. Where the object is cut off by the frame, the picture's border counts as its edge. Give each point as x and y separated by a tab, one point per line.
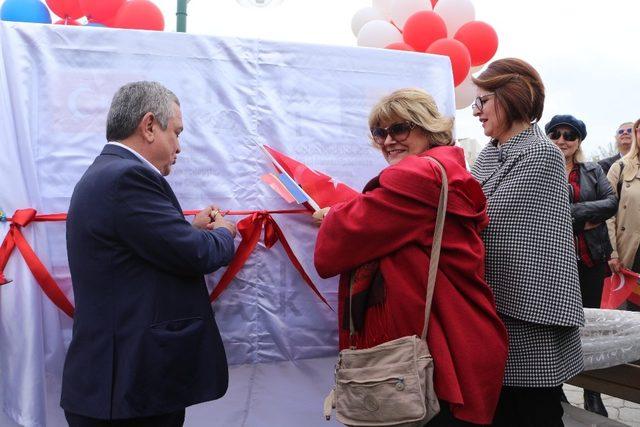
586	51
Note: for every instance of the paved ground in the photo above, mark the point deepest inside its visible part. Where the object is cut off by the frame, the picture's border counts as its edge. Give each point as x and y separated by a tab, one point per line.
625	412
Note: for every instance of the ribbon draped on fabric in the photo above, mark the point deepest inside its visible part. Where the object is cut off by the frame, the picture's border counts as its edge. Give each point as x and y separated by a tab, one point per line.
250	228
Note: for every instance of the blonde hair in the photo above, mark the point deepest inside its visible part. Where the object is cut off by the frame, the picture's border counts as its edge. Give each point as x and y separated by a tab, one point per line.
631	159
416	106
578	156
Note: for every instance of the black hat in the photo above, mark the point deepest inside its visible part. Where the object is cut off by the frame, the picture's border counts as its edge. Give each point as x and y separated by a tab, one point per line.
567	120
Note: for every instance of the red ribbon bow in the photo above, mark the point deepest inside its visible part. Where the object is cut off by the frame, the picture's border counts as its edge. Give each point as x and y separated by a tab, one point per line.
250	228
14	237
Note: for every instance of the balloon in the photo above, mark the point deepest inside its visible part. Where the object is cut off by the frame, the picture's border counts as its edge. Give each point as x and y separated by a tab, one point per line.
400	46
378	34
455	13
66	22
433	3
66	8
457	53
140	15
25	11
100	10
481	40
465	93
384	7
401	10
363	16
422	29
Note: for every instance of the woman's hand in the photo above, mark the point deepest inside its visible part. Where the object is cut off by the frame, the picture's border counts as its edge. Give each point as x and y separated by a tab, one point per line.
319	215
615	265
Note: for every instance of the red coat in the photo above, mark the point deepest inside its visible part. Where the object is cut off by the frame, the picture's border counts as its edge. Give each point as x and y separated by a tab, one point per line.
394	223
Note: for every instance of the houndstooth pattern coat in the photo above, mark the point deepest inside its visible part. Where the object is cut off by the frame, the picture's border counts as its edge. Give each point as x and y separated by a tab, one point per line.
530	257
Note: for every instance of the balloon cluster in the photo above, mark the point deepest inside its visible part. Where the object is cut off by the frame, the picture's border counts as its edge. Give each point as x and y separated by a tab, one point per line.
134	14
442	27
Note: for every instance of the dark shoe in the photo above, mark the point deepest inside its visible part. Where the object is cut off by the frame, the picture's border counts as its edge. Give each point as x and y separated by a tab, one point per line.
593	403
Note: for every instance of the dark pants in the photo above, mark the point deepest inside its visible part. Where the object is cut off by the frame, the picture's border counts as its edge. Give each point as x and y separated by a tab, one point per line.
445	419
529	407
591	279
175	419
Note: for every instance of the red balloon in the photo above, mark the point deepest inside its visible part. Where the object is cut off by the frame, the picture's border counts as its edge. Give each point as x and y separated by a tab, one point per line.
66	8
457	53
140	15
481	40
67	22
100	10
434	3
399	46
423	28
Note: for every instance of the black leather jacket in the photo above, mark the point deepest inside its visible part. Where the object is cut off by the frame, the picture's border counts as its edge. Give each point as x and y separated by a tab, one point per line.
598	202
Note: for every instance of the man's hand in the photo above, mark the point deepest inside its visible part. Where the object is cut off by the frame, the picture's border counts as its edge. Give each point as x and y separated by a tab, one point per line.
218	220
203	218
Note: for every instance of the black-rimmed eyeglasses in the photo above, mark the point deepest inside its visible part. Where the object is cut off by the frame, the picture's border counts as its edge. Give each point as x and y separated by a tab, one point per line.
478	103
399	132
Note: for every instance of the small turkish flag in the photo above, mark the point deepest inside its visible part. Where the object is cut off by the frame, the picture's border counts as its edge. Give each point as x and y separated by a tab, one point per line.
323	189
618	288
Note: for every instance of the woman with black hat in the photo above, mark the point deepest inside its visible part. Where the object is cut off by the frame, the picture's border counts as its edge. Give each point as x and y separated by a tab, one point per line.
593	201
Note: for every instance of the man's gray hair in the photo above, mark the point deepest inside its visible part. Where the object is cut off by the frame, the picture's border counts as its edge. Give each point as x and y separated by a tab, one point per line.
132	101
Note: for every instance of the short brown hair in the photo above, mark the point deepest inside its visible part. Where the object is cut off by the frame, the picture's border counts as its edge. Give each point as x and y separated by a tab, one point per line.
416	106
518	89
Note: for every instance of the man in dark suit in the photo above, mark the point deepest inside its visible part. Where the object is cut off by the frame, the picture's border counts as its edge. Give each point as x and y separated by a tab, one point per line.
623	144
145	343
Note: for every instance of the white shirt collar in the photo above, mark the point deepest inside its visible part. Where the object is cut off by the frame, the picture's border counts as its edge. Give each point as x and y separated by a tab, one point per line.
145	161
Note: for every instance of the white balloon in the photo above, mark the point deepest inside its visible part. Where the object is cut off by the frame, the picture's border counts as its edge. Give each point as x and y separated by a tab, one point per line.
465	93
455	14
363	16
384	6
378	34
401	10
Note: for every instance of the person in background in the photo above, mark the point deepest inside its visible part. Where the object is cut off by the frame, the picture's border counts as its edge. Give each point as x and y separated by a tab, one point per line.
145	343
530	258
623	145
383	240
624	227
592	203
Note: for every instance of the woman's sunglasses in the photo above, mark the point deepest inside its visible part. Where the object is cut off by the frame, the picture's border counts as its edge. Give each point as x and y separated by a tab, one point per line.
399	132
567	135
625	130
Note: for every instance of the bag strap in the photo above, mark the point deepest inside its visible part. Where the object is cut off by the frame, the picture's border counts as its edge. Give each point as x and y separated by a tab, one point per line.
435	246
619	184
433	261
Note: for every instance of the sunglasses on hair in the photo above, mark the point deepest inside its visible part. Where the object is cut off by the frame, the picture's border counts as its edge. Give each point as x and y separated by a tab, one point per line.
625	130
567	135
399	132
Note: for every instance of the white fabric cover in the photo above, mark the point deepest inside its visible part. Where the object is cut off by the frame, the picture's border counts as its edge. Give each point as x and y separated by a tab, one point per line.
610	337
308	101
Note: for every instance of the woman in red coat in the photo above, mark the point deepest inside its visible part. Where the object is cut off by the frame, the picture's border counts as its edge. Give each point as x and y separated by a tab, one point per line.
384	236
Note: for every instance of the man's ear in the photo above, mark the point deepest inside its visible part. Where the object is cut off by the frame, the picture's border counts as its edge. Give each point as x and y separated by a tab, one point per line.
146	126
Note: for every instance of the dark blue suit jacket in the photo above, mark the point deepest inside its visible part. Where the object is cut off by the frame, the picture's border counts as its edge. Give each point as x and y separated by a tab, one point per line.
145	341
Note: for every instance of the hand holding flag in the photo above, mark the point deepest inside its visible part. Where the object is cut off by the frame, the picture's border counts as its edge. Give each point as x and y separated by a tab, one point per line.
619	287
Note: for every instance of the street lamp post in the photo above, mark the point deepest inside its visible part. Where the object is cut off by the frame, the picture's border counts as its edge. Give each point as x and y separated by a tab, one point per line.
181	16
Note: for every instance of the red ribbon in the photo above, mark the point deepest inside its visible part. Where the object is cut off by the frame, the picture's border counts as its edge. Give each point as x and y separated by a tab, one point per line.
250	228
14	237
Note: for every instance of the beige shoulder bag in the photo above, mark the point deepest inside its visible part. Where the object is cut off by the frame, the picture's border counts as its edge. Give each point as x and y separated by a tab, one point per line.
391	384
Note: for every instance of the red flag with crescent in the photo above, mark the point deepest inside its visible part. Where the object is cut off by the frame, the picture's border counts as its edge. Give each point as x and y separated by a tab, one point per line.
619	287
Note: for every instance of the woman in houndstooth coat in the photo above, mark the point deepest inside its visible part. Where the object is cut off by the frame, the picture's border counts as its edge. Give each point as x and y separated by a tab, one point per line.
530	255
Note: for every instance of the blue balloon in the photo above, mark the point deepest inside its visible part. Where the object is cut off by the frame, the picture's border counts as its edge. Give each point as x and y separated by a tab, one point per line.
25	11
